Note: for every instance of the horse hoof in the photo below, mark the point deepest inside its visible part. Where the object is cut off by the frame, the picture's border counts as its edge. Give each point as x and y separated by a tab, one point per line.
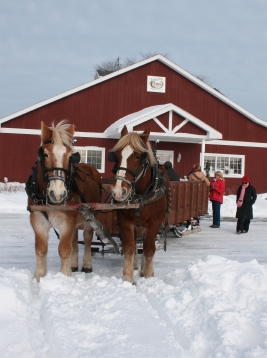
74	269
87	270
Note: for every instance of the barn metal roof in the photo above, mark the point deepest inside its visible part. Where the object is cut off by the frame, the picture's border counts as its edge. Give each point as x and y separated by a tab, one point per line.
160	58
170	134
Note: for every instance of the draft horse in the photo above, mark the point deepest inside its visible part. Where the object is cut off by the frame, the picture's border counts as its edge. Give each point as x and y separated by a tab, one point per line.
59	179
139	178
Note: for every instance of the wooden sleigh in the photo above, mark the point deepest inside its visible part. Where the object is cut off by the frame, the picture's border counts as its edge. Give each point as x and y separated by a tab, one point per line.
189	200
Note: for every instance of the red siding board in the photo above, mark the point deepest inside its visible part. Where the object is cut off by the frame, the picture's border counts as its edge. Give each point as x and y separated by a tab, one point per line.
95	108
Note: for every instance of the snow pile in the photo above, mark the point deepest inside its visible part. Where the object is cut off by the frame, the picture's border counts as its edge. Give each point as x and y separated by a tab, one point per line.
101	317
220	305
11	187
21	331
228	208
196	306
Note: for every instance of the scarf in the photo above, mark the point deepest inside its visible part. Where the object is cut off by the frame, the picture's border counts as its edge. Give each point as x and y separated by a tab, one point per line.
241	197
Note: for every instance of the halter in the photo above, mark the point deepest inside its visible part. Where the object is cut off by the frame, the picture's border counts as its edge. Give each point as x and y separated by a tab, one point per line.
138	174
57	171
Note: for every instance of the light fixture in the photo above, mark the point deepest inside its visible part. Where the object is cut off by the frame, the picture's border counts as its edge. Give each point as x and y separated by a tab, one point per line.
179	157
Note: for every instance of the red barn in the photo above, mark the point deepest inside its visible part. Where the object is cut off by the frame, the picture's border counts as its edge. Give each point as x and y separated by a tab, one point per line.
193	122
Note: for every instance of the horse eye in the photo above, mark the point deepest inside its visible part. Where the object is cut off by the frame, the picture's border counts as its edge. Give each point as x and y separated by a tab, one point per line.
137	157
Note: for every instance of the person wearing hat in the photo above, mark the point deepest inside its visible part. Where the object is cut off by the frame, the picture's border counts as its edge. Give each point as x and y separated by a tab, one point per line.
217	189
172	174
245	198
197	174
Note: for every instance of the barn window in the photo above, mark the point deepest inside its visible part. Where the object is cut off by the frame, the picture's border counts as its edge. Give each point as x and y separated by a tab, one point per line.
164	156
94	156
231	165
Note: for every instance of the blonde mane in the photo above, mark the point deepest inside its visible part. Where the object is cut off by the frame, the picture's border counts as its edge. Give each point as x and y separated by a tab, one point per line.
134	140
60	134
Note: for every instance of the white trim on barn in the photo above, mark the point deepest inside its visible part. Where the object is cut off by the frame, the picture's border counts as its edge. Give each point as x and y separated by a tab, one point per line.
160	58
169	134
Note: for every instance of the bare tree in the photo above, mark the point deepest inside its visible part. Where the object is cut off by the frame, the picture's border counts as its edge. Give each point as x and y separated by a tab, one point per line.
129	61
109	66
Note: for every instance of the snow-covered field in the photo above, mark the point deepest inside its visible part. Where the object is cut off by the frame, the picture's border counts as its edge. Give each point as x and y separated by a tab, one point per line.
208	297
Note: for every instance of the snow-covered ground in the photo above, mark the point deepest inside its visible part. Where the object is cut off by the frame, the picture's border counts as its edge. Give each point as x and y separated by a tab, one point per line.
208	297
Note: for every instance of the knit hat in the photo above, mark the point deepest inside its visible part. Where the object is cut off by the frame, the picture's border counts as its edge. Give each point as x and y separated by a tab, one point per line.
167	165
245	179
196	167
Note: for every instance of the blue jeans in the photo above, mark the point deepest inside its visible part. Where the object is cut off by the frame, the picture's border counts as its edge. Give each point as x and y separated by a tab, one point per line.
216	208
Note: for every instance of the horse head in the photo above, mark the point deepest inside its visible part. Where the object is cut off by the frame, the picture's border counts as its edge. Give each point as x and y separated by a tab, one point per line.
55	157
132	156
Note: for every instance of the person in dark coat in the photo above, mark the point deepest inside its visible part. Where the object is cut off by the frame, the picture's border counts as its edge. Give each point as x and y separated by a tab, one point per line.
245	198
172	174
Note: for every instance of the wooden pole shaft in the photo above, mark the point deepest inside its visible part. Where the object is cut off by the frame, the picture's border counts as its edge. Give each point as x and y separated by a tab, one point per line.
93	206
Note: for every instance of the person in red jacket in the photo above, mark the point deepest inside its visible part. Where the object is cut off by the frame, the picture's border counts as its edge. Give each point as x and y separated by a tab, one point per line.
217	188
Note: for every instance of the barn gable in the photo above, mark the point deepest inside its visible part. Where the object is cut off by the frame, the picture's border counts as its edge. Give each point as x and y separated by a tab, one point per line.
169	133
159	58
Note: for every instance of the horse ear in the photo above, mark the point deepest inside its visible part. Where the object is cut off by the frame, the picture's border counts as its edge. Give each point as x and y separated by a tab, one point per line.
71	130
46	133
124	131
145	135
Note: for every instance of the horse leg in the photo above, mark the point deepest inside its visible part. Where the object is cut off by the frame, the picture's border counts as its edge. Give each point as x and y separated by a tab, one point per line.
87	257
74	252
65	245
149	249
129	247
41	229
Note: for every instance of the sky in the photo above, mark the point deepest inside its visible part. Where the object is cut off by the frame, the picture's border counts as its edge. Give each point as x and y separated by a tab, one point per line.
49	47
208	298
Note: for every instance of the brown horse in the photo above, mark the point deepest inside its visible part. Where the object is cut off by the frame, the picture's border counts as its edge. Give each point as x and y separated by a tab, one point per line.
58	179
138	178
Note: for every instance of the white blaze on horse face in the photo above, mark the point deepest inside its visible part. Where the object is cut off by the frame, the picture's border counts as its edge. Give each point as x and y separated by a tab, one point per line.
117	189
57	191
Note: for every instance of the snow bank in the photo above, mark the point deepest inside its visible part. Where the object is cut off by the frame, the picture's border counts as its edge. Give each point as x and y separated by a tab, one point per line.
21	333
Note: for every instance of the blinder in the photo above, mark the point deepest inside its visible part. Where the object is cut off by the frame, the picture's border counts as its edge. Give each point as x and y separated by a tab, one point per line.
75	158
143	157
41	154
112	157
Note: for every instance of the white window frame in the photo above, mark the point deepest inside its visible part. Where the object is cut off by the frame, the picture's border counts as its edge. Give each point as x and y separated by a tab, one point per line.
99	149
225	174
167	153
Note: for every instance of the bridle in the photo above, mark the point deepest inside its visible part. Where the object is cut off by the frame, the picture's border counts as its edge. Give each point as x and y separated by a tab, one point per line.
57	171
138	175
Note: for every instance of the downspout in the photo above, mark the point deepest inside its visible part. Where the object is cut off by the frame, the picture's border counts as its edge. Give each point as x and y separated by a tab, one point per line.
203	143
